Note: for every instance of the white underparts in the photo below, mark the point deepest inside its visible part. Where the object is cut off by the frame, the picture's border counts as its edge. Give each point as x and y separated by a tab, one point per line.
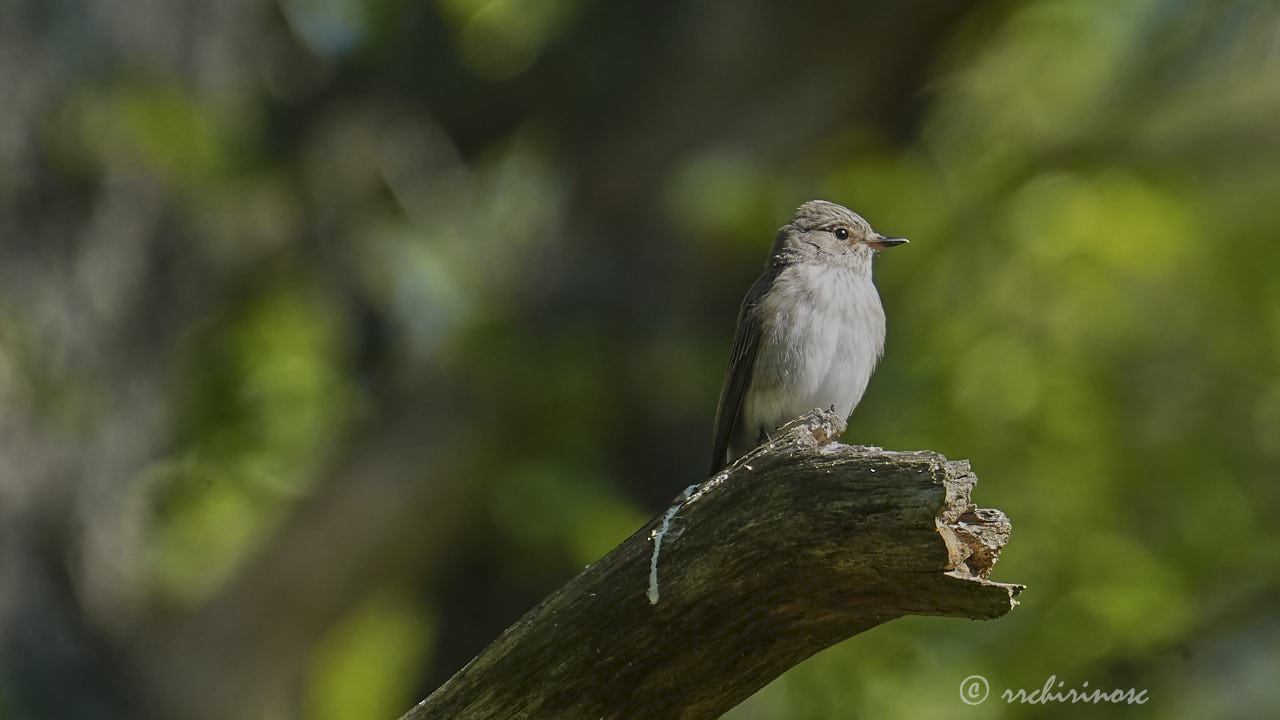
822	332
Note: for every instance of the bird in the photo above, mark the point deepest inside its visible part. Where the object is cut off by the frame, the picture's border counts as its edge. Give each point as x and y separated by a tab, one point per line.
810	330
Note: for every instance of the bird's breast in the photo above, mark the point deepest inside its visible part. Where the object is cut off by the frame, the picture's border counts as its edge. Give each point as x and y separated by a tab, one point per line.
822	332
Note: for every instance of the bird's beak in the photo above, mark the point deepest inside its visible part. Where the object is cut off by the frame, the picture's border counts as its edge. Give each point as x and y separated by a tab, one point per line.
881	242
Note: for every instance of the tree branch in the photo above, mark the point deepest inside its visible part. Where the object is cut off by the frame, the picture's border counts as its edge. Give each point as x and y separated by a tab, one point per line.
800	544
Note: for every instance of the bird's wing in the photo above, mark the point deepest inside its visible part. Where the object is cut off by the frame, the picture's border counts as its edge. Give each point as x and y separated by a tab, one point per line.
742	362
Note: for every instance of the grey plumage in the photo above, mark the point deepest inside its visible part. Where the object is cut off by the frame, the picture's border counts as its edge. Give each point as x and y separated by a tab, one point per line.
810	330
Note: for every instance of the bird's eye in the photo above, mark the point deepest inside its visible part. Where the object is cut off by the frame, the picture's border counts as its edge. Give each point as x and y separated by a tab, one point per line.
842	234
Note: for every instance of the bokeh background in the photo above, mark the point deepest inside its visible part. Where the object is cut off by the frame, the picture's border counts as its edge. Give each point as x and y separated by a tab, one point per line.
334	334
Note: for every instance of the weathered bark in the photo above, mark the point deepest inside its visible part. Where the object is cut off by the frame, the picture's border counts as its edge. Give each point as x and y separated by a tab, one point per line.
801	544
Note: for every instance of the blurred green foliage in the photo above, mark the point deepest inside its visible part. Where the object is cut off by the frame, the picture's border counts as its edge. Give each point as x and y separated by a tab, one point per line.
267	396
364	665
533	223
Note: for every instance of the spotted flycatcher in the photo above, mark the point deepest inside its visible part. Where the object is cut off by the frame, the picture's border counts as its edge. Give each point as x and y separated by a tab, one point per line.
810	331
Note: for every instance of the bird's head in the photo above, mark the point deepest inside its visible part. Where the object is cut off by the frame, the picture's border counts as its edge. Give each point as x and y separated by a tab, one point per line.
823	231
